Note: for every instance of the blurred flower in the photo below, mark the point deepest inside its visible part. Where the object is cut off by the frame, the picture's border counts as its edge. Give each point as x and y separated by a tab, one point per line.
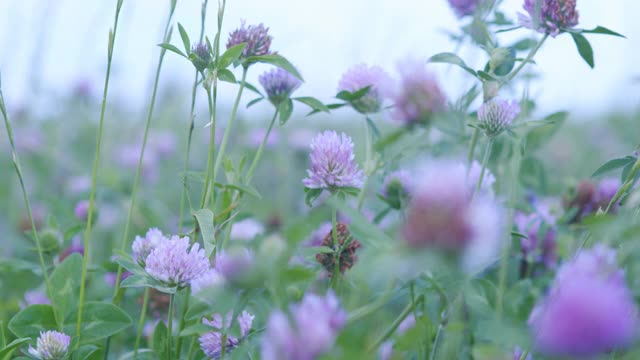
589	197
552	17
256	135
473	176
51	345
279	84
246	230
210	279
588	311
81	211
540	245
317	236
128	157
163	144
607	189
346	256
361	76
419	96
158	303
29	140
396	188
257	39
234	263
142	246
39	212
517	355
333	163
464	7
76	247
34	297
176	262
314	326
497	115
441	215
202	57
211	342
78	185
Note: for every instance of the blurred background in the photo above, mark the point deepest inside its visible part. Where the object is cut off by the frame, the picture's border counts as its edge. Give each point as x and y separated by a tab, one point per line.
59	47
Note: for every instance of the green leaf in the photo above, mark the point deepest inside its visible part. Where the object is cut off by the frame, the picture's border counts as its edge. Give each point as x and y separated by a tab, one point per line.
373	128
65	284
584	48
613	165
205	222
542	134
88	352
12	346
451	58
353	96
99	320
195	329
30	321
603	31
277	60
251	87
285	108
524	44
127	263
227	76
143	354
313	103
254	101
248	189
185	39
388	140
137	281
173	49
72	231
297	274
231	55
159	341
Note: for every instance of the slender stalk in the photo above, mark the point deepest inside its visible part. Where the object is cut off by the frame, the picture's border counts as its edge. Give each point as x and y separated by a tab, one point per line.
203	16
472	147
212	141
256	159
143	314
94	177
336	249
394	325
23	188
170	326
527	60
436	342
524	355
485	160
182	321
125	236
367	144
192	348
625	187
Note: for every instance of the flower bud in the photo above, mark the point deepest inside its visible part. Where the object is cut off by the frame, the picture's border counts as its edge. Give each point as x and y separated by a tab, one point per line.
50	240
502	61
201	56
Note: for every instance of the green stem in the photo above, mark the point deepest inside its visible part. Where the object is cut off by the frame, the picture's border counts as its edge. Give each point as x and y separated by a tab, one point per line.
256	159
436	342
394	325
625	187
524	355
170	326
485	161
34	231
336	249
527	60
143	314
203	16
125	236
94	177
367	144
472	147
192	348
212	141
182	321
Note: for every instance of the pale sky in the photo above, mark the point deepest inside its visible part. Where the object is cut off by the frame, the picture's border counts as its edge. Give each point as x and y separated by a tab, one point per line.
322	38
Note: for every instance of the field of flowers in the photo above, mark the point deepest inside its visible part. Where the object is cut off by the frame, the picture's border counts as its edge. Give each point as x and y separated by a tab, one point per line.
418	226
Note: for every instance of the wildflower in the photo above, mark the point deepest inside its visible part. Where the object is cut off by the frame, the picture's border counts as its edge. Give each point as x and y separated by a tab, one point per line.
552	17
441	215
497	115
51	345
176	262
361	76
333	163
589	197
540	245
464	8
315	324
142	246
279	84
235	263
347	254
396	188
257	39
419	96
606	190
246	230
211	342
210	279
34	297
81	210
588	311
202	56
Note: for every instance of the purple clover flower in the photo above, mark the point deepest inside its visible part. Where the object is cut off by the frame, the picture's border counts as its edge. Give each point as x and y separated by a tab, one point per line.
333	163
202	56
257	39
211	342
316	322
464	8
540	244
142	246
247	230
497	115
235	263
419	97
51	345
279	84
81	211
551	18
441	215
34	297
588	311
176	262
361	76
